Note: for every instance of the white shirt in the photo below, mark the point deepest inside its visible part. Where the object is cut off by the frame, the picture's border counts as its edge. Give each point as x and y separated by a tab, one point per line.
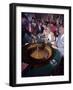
60	44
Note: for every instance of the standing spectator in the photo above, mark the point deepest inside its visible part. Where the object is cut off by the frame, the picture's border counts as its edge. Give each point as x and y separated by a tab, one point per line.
26	35
49	36
60	40
53	27
39	27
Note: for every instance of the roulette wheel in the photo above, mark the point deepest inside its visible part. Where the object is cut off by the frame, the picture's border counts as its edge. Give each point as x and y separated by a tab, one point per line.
36	53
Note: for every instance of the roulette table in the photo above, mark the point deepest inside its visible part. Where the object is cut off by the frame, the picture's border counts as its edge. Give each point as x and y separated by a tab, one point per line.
39	56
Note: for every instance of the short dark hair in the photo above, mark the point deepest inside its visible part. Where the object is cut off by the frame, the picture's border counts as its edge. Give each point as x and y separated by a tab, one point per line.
62	25
24	16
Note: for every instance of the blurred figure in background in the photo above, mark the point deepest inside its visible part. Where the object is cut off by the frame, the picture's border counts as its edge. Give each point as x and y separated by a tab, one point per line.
53	27
49	36
60	41
26	30
39	27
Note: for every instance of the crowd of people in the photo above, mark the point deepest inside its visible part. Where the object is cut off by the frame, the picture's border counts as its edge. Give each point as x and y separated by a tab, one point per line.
48	28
